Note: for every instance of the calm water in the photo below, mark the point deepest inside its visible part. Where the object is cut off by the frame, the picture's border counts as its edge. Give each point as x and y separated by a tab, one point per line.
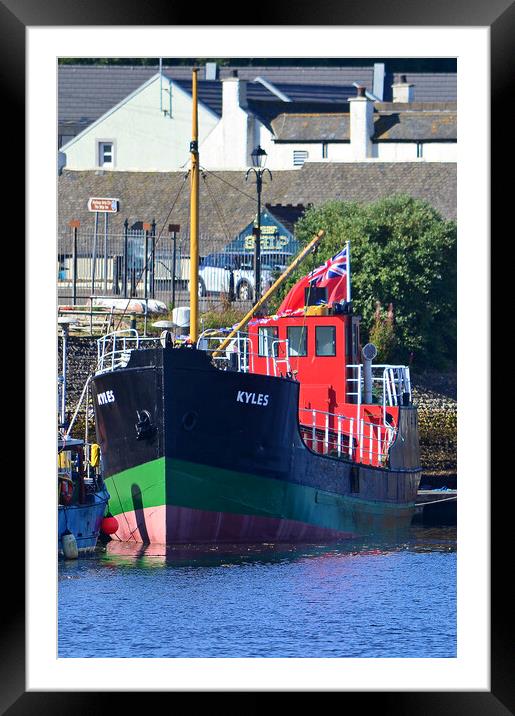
350	600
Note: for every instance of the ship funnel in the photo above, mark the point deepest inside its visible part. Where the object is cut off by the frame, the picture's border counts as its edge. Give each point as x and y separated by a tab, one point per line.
369	352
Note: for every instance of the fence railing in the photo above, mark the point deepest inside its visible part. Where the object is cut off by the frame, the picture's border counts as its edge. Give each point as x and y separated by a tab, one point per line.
137	263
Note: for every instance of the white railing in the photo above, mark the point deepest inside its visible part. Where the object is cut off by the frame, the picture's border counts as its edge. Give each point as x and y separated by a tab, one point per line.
241	345
342	436
394	382
114	349
275	356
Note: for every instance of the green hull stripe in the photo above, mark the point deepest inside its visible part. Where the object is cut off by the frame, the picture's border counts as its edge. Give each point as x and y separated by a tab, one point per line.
185	484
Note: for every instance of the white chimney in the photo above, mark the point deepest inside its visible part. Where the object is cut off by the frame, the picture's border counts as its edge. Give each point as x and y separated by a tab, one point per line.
402	91
234	93
235	121
361	125
211	70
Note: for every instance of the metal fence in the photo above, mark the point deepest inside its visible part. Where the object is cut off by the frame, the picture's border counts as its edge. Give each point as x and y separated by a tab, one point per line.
139	264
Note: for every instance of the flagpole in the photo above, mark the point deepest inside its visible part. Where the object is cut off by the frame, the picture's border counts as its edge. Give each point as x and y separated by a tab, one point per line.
348	271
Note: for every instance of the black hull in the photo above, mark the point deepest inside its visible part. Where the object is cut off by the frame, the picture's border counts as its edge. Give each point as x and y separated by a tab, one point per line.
191	412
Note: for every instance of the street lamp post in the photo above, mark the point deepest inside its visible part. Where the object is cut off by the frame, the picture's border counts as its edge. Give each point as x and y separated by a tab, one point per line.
258	167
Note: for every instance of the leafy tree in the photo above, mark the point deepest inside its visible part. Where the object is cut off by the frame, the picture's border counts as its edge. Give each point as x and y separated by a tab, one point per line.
382	334
403	253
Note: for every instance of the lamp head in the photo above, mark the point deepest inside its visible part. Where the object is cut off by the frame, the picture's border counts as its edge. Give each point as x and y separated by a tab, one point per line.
258	157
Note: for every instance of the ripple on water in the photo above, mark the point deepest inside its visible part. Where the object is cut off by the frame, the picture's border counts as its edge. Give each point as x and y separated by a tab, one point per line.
350	600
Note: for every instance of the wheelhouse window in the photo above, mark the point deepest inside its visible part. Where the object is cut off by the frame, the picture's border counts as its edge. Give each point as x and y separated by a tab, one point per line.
297	340
106	155
325	340
266	336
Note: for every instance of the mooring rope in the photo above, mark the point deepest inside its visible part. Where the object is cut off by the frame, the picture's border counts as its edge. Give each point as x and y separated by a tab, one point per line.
435	502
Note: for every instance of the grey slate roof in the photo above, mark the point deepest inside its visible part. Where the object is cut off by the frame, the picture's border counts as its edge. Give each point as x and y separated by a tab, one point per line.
434	182
86	92
228	203
265	105
311	127
419	121
415	126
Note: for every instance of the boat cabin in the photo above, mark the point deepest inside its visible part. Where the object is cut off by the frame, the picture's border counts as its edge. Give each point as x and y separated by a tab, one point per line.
321	349
315	349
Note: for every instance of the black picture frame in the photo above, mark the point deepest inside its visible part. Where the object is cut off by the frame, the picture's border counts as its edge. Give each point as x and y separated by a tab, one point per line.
15	16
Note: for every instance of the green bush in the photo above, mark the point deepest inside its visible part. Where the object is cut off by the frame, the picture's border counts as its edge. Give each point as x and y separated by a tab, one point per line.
403	253
382	334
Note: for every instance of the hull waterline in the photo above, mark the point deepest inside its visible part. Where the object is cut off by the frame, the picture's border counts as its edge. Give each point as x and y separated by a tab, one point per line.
187	461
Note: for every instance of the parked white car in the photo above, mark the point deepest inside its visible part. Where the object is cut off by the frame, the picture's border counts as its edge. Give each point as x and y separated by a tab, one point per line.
217	271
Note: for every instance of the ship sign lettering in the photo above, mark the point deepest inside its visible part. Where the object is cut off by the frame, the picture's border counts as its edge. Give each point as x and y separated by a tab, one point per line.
106	397
252	398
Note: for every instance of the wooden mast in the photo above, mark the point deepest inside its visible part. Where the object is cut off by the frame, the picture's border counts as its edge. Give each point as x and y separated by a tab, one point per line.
194	215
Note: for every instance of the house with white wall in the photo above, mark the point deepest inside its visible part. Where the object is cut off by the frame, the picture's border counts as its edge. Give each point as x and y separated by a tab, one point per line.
150	129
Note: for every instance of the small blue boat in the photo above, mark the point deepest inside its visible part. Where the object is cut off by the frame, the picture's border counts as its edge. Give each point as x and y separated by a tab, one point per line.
81	494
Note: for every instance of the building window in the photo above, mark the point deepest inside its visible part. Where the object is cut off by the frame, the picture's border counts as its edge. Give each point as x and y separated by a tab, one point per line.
106	155
299	157
420	148
297	341
325	340
267	335
325	147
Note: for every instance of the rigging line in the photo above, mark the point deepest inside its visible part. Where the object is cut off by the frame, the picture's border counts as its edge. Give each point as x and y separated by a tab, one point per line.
249	196
217	208
149	258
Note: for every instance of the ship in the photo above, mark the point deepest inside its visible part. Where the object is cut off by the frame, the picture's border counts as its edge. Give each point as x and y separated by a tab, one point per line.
198	452
281	430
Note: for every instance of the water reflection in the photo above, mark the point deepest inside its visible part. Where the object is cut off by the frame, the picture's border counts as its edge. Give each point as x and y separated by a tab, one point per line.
418	539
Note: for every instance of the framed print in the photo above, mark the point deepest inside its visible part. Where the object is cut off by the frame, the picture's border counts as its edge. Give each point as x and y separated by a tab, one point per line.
478	678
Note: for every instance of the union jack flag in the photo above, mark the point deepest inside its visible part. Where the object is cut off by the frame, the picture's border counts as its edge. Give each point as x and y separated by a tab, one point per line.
333	275
335	267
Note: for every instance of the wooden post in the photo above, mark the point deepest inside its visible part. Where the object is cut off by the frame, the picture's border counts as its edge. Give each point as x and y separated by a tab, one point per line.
194	215
74	225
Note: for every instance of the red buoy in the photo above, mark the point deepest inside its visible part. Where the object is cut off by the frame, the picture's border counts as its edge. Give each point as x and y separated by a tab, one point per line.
109	525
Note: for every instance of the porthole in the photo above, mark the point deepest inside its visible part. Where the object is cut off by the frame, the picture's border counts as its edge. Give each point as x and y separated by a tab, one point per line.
189	420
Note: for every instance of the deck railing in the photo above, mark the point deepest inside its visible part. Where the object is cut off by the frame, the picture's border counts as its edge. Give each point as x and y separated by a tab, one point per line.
114	349
392	384
240	346
350	437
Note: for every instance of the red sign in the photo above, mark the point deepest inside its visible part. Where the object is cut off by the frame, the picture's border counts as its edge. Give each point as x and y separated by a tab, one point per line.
108	206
